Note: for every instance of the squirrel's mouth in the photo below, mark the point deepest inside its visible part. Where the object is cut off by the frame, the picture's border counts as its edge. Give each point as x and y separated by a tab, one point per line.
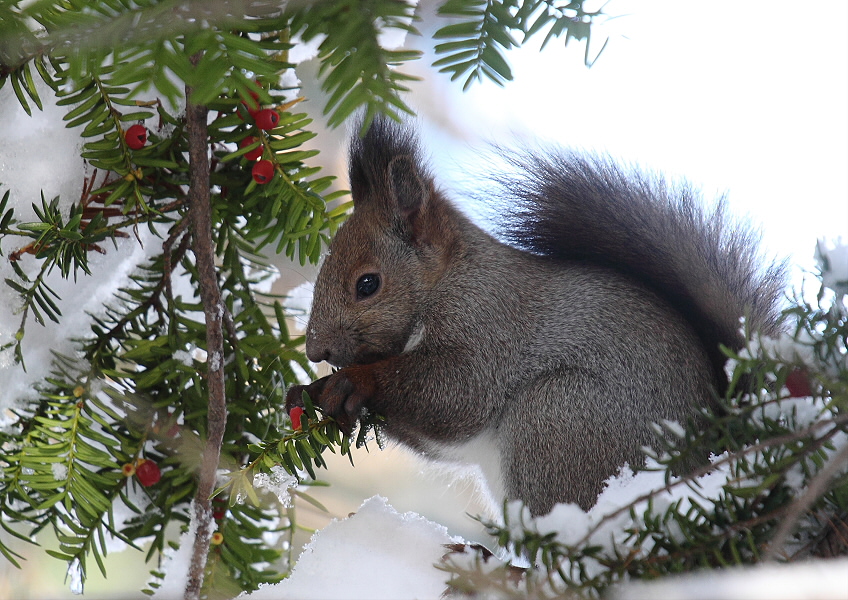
367	356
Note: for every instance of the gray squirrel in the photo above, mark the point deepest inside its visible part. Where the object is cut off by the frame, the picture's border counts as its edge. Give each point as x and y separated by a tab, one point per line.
544	360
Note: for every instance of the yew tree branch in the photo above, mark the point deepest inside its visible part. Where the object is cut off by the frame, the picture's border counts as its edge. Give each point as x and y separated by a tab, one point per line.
200	221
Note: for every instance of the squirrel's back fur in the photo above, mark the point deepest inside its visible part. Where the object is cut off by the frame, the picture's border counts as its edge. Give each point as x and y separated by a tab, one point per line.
579	206
553	356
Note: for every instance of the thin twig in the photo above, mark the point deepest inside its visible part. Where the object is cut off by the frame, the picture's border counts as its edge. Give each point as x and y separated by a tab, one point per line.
200	221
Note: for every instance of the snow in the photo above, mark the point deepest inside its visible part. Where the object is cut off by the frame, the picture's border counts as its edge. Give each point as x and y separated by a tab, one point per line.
184	357
75	577
177	561
278	482
376	553
27	170
819	580
605	525
28	167
60	471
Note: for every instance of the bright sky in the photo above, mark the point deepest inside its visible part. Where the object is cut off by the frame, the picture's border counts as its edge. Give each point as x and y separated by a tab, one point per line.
749	97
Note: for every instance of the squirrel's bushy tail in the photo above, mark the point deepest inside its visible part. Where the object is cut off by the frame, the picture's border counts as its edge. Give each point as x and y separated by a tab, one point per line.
568	205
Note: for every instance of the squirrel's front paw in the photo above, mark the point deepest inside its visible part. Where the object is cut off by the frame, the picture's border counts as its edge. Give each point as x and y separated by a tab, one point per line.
294	397
345	393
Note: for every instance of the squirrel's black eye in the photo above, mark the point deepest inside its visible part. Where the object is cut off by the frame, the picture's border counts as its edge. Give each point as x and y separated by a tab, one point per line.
367	285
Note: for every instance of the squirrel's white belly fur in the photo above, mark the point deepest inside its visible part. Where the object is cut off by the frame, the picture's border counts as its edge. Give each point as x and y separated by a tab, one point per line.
482	455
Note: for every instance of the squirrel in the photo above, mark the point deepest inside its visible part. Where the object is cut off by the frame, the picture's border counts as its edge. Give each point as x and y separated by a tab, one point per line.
544	358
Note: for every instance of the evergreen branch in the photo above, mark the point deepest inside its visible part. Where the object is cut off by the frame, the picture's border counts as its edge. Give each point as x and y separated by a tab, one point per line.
803	503
37	293
200	219
571	19
357	70
477	42
152	298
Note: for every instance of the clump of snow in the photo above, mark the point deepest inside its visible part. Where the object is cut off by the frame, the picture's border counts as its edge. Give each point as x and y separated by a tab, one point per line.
278	482
60	471
377	553
290	82
802	412
88	295
183	356
75	577
784	347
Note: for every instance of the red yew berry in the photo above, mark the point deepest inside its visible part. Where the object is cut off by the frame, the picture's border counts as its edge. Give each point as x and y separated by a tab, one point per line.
256	152
263	172
295	414
798	384
219	514
147	472
267	119
136	136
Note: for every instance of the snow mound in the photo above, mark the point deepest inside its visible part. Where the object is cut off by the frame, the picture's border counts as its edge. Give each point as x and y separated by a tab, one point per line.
815	580
376	553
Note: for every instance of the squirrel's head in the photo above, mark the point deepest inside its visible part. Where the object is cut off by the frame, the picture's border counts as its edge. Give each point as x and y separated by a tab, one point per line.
376	279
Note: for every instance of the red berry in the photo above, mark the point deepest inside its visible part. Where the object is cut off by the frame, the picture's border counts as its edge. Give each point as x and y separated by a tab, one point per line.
263	171
136	136
267	119
147	472
798	384
295	414
256	152
219	514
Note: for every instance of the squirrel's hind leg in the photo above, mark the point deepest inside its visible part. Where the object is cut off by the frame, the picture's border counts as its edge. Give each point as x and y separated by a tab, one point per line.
565	435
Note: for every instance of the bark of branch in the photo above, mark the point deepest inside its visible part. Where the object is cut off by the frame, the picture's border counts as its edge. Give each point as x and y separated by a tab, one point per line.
200	221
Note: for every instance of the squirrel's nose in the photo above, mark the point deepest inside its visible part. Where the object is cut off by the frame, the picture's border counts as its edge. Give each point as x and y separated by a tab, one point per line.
317	352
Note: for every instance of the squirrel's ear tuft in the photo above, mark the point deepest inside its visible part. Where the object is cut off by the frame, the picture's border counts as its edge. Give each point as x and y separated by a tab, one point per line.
409	192
386	170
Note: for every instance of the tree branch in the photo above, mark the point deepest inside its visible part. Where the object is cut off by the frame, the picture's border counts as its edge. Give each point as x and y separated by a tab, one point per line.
200	221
